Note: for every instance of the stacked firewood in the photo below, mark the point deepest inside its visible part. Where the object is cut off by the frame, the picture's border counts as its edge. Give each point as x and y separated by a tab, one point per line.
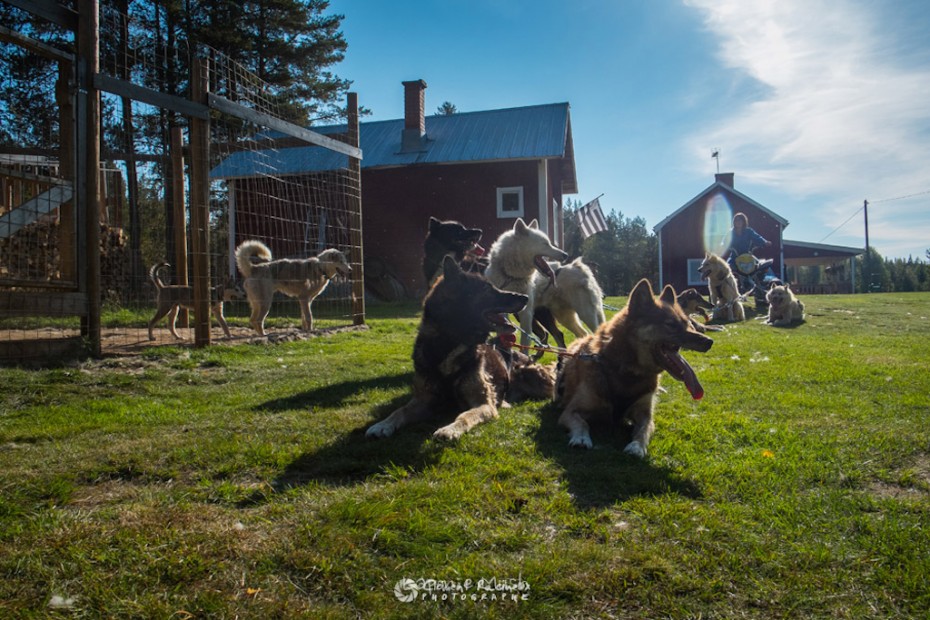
33	254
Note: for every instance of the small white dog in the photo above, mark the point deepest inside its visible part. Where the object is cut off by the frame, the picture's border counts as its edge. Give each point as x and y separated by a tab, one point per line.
784	307
513	259
303	278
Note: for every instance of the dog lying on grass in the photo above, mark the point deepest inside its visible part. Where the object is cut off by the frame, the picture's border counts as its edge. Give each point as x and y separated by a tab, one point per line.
454	367
692	302
784	307
615	371
170	298
303	278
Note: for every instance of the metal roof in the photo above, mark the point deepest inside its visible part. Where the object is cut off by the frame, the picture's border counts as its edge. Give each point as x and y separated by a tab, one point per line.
532	132
720	187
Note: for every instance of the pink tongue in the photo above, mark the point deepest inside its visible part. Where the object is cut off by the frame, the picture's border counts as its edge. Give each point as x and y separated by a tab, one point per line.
478	250
679	368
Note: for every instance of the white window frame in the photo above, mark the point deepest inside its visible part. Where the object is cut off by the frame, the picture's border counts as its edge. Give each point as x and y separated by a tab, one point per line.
501	192
693	264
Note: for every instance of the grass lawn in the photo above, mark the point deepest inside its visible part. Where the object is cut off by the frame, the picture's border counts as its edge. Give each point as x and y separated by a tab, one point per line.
237	481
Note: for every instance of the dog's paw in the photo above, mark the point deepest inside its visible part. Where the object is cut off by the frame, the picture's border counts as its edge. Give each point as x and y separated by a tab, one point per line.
380	430
451	432
634	448
581	441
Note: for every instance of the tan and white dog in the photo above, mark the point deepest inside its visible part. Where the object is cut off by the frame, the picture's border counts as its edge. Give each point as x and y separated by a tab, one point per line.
784	307
303	278
170	298
724	292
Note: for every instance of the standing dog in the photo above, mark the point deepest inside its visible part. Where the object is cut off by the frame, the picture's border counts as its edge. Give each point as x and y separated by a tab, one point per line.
784	307
514	257
724	292
616	370
303	278
454	367
574	295
170	298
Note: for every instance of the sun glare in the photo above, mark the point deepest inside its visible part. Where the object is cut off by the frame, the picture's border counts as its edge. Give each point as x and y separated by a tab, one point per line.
717	219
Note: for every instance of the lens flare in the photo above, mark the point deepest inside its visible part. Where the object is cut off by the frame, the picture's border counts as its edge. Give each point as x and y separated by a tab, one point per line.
718	216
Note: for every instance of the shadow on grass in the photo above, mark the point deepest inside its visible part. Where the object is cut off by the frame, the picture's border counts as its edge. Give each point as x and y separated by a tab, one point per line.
605	475
336	394
353	457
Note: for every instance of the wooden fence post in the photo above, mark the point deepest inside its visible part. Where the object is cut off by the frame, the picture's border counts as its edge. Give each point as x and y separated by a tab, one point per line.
200	205
66	169
355	214
88	66
180	221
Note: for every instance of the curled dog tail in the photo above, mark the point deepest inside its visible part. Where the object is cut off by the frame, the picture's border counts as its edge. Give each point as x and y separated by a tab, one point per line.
153	274
249	250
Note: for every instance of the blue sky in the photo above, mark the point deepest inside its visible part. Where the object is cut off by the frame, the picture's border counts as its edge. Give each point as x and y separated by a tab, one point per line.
815	105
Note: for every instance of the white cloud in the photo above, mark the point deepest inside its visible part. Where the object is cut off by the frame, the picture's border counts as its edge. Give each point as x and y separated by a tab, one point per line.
842	115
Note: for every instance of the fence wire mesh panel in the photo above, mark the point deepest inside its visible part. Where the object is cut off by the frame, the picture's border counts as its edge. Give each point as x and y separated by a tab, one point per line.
38	222
263	181
299	200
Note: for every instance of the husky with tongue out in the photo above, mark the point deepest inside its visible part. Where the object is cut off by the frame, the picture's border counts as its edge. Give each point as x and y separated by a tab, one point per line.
455	370
514	259
616	369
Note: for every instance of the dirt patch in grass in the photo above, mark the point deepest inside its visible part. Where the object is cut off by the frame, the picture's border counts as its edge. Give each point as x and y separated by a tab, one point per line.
911	481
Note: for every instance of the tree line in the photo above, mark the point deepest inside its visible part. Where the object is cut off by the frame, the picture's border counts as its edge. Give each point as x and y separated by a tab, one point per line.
893	275
621	255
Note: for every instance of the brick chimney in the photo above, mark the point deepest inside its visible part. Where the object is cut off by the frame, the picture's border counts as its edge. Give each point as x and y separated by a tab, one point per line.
724	177
414	115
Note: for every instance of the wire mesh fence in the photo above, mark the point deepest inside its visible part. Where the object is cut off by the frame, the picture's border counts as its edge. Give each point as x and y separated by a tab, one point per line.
171	213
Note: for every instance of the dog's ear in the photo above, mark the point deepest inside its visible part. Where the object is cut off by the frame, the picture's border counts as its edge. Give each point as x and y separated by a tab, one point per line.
641	295
668	295
450	268
433	224
519	226
534	224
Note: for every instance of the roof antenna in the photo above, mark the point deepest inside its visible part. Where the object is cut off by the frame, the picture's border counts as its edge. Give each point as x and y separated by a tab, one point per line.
715	153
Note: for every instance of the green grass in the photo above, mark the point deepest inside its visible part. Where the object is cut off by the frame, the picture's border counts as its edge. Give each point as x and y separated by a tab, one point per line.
236	481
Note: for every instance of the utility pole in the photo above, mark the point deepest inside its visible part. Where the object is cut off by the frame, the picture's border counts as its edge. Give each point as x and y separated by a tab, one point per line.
867	263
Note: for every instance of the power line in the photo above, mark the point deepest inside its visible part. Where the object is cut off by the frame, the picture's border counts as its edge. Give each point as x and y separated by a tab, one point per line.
875	202
844	223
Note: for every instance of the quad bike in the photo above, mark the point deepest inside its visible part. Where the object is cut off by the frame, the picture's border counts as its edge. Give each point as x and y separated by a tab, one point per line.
754	277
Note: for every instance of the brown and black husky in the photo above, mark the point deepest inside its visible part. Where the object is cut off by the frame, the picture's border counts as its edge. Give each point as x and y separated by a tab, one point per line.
451	238
455	370
615	371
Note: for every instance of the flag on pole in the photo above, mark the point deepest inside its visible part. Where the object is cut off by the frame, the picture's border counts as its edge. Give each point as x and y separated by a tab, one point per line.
591	219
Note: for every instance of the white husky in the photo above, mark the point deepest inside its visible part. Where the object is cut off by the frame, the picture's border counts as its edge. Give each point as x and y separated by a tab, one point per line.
575	295
514	258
